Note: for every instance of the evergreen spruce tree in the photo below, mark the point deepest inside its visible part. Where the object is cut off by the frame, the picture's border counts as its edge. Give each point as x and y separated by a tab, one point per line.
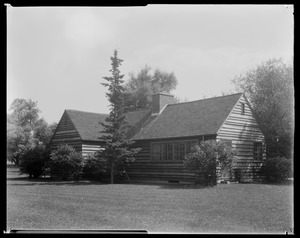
118	151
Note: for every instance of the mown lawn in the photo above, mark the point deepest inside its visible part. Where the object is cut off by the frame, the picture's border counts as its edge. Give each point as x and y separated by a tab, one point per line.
226	208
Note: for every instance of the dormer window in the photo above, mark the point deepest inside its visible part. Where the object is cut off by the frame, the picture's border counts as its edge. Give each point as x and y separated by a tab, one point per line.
243	108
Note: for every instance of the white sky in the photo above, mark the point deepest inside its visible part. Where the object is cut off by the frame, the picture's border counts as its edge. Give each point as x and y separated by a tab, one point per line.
58	55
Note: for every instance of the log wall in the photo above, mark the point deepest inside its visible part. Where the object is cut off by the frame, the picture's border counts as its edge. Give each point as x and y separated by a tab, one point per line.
90	147
243	131
145	170
66	133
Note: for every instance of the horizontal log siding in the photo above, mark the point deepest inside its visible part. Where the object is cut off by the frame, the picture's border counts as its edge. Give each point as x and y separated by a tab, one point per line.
66	133
145	170
243	131
90	147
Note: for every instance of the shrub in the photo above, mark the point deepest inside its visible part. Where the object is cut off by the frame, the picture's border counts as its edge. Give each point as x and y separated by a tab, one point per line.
277	169
92	168
33	161
16	156
207	156
237	174
66	162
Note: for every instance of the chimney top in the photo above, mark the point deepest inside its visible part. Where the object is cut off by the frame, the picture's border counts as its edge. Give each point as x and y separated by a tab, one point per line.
163	93
160	100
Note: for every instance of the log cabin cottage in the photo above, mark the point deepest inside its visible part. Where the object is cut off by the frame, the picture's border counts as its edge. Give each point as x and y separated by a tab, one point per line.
168	130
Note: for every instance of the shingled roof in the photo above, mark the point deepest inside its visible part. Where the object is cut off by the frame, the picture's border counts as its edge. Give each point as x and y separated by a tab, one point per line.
201	117
88	124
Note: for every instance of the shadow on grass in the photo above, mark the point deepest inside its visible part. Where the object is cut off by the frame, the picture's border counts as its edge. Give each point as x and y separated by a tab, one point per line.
198	186
283	183
183	186
48	181
13	175
170	186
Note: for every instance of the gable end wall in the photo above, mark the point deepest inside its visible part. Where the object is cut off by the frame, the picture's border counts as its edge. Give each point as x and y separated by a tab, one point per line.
243	131
66	133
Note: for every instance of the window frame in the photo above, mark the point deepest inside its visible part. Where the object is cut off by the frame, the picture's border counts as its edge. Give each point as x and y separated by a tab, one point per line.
243	108
164	155
258	151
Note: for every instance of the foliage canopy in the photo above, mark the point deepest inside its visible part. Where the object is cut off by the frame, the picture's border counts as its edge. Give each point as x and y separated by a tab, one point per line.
139	89
269	88
25	129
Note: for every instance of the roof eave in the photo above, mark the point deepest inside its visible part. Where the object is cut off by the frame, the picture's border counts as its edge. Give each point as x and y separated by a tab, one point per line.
229	113
173	137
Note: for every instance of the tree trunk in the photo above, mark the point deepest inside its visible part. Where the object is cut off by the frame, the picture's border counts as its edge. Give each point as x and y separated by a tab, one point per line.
112	174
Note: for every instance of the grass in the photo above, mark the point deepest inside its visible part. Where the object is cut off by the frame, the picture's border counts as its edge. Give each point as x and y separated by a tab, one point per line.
226	208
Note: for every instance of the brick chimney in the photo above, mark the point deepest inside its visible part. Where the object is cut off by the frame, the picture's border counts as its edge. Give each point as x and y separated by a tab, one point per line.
159	100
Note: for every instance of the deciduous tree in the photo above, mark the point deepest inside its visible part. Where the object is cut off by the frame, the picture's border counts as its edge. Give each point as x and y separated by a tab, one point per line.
25	129
139	89
269	88
43	131
24	112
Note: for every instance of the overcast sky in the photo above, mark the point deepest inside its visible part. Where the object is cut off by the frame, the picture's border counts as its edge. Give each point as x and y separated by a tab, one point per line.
58	55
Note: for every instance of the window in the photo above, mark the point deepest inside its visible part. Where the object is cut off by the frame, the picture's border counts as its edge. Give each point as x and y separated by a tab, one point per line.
243	108
176	151
181	150
257	151
156	148
163	151
171	150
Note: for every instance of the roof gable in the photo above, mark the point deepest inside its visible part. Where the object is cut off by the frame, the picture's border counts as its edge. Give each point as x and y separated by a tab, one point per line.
249	127
201	117
88	124
65	125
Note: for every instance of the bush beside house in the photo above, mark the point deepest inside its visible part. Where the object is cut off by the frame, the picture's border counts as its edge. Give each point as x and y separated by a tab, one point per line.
66	163
277	169
32	161
205	158
238	174
92	168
